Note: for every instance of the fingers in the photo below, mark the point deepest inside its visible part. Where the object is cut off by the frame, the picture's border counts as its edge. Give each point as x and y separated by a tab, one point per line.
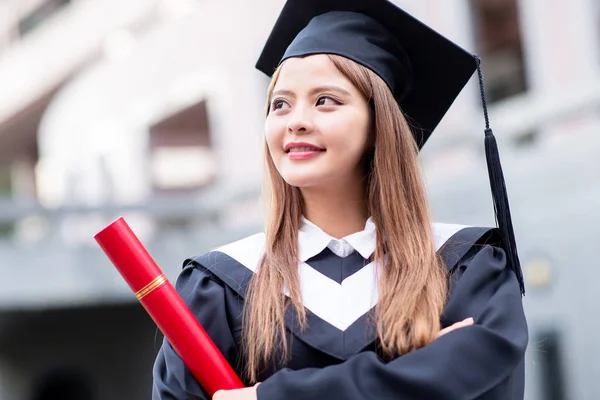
457	325
464	322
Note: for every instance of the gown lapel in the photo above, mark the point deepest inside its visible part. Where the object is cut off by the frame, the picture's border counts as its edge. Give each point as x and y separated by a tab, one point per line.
339	305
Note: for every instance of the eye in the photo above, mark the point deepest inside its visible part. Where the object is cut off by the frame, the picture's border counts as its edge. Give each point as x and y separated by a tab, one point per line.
278	104
327	101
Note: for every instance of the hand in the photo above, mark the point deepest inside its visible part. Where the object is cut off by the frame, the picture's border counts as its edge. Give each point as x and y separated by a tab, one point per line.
237	394
457	325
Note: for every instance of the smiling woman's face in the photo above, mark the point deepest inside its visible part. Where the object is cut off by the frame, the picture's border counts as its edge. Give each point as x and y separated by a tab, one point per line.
317	129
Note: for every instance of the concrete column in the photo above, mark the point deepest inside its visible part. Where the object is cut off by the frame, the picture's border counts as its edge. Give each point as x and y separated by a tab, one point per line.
561	43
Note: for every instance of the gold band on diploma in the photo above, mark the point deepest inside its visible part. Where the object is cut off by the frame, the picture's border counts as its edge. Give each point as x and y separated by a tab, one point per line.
154	284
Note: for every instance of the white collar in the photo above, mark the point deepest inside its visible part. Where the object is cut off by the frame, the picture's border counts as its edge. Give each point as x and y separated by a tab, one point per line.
312	240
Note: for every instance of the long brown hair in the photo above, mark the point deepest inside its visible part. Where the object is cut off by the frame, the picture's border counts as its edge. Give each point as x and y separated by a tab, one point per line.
412	282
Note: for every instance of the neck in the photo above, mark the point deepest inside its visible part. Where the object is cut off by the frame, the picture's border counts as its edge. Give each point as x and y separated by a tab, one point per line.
337	211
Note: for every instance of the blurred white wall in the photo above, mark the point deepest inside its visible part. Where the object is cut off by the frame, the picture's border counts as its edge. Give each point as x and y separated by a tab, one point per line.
102	117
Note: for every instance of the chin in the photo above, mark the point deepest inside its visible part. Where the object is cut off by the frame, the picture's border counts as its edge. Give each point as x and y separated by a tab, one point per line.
301	180
299	183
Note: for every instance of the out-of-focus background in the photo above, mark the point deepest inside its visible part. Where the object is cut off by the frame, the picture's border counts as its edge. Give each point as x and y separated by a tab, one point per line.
152	109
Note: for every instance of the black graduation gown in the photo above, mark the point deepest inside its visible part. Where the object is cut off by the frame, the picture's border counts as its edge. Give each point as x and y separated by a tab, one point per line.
483	361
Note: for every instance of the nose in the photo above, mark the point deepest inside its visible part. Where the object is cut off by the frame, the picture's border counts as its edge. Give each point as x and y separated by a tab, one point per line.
300	121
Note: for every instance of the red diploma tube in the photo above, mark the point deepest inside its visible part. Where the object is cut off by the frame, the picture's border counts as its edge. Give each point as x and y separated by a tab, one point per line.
167	308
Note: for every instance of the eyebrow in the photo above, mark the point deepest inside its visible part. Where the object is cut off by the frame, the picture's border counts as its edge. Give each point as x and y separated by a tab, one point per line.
319	89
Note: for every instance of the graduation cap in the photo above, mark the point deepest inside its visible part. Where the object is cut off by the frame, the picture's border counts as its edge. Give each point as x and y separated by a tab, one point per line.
424	70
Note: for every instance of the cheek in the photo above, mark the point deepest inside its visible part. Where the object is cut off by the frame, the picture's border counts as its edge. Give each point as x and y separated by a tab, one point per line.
351	138
274	132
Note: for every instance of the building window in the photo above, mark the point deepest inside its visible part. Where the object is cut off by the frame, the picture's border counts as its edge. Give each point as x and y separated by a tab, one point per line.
5	181
497	36
6	225
181	155
40	14
551	365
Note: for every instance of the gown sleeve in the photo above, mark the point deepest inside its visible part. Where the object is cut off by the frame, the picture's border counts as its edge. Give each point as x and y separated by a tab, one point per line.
205	297
464	364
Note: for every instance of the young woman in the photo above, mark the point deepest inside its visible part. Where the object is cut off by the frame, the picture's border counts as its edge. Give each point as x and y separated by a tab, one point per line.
352	292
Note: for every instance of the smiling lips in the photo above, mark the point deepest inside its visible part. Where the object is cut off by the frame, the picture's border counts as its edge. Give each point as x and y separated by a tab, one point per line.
300	151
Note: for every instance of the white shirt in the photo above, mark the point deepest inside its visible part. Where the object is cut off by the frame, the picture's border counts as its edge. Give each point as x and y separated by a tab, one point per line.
312	240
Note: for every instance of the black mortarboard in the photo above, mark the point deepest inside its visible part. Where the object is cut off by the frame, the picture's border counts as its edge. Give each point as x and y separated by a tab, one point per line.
424	70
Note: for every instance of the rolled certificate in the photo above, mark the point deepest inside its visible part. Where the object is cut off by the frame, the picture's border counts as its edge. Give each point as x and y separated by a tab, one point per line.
167	308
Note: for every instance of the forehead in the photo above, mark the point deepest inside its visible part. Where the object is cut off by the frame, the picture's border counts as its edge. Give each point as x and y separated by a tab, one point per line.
312	70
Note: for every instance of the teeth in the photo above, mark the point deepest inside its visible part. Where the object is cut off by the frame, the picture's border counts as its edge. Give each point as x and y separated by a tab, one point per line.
298	149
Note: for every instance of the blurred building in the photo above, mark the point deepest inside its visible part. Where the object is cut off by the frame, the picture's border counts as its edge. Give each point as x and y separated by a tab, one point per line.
152	109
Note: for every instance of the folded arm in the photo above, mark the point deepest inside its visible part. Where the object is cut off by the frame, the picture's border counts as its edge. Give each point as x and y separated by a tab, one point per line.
463	364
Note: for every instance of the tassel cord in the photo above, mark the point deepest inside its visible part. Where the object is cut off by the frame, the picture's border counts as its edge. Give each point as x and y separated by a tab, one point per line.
499	193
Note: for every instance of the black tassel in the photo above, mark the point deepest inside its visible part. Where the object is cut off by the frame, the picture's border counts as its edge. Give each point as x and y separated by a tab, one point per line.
498	186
